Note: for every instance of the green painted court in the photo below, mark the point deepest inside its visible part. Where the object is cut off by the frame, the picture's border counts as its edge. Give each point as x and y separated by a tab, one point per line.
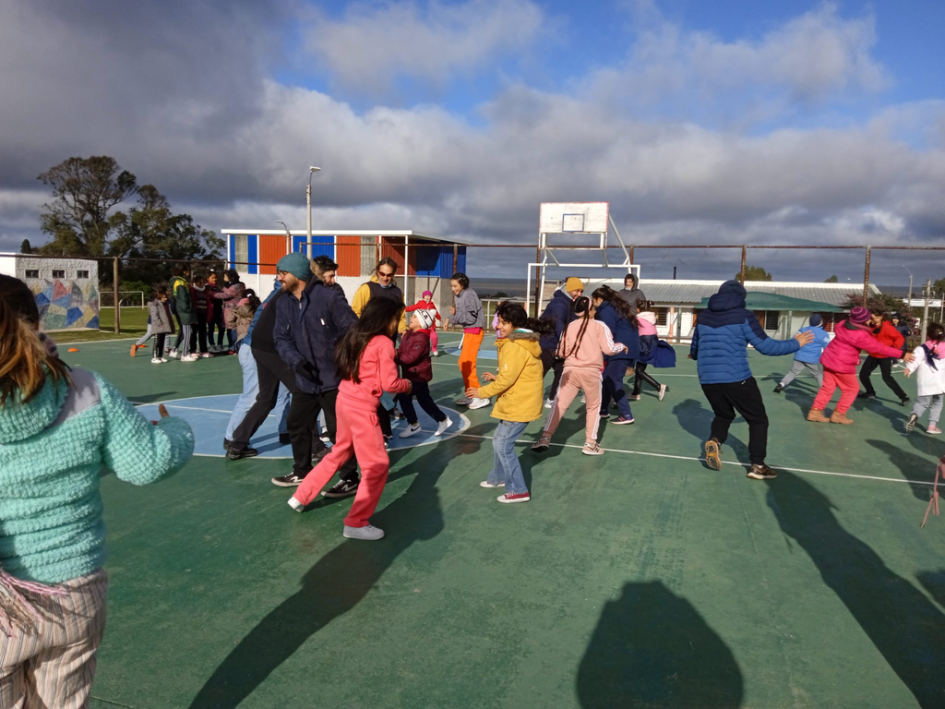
637	579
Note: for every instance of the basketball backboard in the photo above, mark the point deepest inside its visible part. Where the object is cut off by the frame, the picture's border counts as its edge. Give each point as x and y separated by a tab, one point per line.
574	217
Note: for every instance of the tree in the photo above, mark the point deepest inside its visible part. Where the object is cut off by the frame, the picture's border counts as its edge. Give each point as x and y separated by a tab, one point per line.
883	301
832	279
26	247
84	191
754	273
937	287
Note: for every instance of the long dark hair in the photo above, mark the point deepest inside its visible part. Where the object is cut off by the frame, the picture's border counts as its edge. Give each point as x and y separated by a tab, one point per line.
376	319
608	294
515	315
582	307
24	360
253	299
935	332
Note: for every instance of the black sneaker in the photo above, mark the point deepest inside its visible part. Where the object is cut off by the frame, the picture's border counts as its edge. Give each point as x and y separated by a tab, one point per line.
240	453
290	480
864	395
778	389
905	400
319	454
395	414
761	472
285	439
227	443
343	488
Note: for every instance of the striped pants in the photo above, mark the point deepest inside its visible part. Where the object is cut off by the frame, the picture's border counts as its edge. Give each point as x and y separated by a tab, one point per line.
54	667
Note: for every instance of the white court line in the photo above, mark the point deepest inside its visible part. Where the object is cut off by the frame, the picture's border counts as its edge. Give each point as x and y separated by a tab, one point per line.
196	408
726	462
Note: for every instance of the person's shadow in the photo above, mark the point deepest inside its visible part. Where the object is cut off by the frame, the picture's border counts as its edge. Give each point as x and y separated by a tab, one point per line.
334	585
904	625
911	466
652	648
696	421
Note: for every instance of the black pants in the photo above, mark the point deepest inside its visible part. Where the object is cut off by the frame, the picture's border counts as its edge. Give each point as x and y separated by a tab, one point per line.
199	335
158	351
303	430
885	366
180	332
640	376
550	361
271	371
745	398
216	324
421	390
383	418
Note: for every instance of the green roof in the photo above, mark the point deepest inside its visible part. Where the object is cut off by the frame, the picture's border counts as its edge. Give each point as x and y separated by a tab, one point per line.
773	301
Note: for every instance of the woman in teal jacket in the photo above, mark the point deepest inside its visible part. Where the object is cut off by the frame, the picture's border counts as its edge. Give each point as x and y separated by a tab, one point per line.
58	429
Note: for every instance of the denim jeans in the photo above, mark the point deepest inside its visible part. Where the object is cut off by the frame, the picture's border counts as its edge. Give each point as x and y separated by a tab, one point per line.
145	337
250	390
506	467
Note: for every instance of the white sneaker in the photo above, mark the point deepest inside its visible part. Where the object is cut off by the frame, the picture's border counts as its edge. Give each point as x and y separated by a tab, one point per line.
463	401
479	403
296	505
549	403
486	483
411	430
592	450
157	360
435	353
583	398
205	355
367	533
163	359
172	354
190	358
662	392
443	427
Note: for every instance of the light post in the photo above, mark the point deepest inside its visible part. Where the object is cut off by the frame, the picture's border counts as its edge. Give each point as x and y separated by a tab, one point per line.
308	203
288	236
910	288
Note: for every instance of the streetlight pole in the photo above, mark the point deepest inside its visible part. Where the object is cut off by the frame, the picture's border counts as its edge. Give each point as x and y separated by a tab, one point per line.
909	302
288	236
308	204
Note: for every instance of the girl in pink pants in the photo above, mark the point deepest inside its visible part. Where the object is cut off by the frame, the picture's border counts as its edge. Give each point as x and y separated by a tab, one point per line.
583	346
840	359
366	365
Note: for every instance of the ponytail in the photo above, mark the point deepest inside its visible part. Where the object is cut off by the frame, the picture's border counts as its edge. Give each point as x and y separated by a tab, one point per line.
609	295
24	361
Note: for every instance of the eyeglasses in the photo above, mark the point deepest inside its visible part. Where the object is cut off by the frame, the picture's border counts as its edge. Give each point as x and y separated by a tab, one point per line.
385	275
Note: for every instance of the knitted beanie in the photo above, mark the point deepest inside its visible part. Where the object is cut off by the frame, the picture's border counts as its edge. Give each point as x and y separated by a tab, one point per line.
425	318
426	293
859	315
573	284
816	320
297	264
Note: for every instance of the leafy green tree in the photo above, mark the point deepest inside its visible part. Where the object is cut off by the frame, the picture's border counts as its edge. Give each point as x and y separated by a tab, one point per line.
832	279
754	273
937	287
883	301
26	247
84	192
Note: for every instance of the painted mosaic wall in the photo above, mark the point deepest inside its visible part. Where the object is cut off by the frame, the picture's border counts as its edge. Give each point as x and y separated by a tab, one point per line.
66	291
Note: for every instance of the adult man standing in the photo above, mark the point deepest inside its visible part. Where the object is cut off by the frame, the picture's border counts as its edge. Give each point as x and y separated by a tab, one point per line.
310	320
560	311
381	285
631	291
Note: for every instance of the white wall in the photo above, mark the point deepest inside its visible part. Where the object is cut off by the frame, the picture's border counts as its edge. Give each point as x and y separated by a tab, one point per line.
8	265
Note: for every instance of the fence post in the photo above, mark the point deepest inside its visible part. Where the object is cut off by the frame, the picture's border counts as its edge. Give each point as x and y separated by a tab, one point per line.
117	301
744	258
866	278
538	293
455	266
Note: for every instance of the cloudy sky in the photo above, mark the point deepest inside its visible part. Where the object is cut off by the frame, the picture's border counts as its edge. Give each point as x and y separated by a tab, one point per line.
734	121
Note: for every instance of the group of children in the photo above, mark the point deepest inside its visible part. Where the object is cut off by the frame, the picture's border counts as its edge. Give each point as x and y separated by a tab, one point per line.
200	309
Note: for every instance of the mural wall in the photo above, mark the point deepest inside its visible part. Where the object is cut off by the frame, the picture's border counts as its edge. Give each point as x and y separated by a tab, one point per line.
66	291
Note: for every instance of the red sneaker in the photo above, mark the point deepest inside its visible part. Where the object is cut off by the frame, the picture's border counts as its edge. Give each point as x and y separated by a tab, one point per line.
521	497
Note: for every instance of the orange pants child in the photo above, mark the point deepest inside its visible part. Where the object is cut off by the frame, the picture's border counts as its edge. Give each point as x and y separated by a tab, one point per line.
574	380
360	433
467	358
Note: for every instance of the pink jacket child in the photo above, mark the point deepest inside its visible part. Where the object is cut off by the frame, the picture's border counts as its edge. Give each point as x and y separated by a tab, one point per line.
583	361
840	360
359	434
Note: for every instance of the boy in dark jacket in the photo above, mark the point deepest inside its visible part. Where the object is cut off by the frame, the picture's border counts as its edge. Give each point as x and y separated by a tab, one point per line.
559	311
183	308
414	359
719	345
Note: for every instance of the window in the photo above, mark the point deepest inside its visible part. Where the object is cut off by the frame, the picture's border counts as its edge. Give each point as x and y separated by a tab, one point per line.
58	274
81	274
32	273
241	249
662	316
772	319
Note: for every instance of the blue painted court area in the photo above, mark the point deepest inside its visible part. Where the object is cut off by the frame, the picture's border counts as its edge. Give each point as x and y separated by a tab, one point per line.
209	415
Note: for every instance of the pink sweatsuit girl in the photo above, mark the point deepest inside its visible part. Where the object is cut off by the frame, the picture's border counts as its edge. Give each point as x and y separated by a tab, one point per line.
582	371
841	358
359	432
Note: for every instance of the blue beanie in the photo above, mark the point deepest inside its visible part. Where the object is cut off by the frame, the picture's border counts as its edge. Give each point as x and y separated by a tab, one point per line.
297	264
816	320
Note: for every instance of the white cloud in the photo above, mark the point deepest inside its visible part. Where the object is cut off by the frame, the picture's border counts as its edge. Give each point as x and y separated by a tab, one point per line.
372	45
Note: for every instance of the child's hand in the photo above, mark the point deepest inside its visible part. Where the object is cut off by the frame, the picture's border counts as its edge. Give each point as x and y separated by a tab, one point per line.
488	377
908	357
472	393
452	310
907	372
624	348
163	412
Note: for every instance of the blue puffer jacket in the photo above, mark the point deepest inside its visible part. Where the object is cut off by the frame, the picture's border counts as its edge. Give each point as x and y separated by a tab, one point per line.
623	332
723	333
811	353
307	331
560	311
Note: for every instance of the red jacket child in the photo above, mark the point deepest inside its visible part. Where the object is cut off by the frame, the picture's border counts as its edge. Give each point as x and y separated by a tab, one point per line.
414	356
887	334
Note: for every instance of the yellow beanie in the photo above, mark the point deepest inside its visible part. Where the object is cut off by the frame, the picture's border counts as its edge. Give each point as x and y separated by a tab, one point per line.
573	284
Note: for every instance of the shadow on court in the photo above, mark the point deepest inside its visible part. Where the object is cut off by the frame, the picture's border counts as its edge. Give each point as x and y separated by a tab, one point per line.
696	420
910	465
652	648
335	584
903	624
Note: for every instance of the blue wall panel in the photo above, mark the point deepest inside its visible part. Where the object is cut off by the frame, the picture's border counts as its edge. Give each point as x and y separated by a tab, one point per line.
252	253
232	251
461	260
428	260
323	246
298	244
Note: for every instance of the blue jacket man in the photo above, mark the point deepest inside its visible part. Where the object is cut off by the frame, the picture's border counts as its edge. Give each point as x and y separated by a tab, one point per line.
559	311
311	318
720	347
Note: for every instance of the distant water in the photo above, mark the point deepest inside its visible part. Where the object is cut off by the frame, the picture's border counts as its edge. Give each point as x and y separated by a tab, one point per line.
512	287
